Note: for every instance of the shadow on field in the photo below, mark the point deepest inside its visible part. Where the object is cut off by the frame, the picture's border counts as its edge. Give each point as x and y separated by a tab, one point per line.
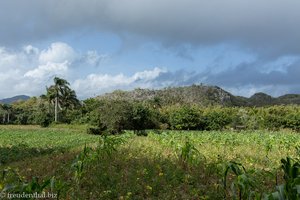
132	175
22	151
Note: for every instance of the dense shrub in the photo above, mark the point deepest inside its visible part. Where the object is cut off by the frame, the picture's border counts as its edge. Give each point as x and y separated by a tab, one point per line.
96	131
292	121
217	118
186	118
44	119
118	115
21	119
143	117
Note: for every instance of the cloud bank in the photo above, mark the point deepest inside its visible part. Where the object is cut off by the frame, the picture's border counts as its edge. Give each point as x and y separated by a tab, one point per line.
271	27
30	69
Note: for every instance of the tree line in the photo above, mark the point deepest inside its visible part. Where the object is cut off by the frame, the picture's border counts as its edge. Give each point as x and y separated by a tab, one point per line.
59	104
53	106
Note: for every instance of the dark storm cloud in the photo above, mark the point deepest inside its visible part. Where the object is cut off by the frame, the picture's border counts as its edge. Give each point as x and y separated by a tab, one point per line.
267	29
250	74
239	79
271	27
177	78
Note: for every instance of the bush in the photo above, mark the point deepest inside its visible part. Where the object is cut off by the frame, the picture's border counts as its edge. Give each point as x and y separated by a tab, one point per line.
96	131
141	132
143	117
217	119
245	118
116	115
293	121
186	118
44	120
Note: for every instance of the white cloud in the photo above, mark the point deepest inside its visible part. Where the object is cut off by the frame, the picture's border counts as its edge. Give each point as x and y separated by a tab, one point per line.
29	69
58	53
31	50
95	84
7	59
249	90
53	61
48	69
93	58
148	75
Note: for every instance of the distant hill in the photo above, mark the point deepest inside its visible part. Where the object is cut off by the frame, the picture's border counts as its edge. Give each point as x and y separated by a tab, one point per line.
261	99
201	95
14	99
288	99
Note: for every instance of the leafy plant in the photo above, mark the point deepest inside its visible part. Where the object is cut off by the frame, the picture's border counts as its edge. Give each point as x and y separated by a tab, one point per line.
242	185
108	145
290	189
79	163
188	153
12	182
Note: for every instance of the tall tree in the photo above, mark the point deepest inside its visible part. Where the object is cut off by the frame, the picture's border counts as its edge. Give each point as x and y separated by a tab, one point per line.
6	110
2	113
62	96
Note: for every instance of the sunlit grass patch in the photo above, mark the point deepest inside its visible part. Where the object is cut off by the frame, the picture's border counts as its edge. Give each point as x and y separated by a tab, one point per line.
18	143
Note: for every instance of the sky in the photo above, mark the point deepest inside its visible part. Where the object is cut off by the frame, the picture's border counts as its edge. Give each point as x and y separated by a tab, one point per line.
244	46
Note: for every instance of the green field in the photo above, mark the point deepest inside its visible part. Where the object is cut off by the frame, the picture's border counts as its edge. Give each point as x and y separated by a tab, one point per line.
164	165
21	142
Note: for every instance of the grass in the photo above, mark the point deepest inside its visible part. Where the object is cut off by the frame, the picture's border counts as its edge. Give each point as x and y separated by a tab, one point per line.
170	165
165	166
257	149
21	142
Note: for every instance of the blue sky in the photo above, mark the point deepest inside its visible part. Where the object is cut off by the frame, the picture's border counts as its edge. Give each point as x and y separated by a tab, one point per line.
102	45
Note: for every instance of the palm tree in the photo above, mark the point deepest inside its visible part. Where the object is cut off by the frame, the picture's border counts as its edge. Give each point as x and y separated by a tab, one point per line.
2	113
6	111
62	96
69	99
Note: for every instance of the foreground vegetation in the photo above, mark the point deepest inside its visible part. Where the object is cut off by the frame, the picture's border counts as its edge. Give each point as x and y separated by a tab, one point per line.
163	165
22	142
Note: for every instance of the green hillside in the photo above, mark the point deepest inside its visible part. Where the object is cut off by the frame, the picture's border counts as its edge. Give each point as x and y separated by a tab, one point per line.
200	95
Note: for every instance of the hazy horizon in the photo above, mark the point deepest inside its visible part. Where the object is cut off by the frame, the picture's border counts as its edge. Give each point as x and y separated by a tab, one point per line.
146	88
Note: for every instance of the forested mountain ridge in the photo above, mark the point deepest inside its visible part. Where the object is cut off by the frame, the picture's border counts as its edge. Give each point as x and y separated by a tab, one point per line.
195	107
195	94
201	95
14	99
